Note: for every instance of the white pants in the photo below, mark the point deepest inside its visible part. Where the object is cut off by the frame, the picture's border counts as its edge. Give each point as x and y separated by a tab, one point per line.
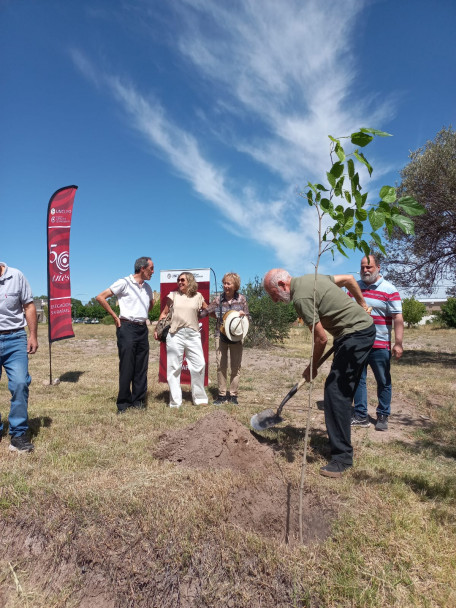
188	341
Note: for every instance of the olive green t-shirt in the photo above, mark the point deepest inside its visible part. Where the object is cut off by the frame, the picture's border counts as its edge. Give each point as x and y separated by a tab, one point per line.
337	312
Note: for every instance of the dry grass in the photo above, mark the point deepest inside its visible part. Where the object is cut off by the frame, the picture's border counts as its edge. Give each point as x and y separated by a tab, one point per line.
92	518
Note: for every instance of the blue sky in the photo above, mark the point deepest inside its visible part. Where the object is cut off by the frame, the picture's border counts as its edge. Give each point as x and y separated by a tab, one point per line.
190	125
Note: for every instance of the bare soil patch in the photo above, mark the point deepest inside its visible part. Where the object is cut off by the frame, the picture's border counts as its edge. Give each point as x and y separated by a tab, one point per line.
267	506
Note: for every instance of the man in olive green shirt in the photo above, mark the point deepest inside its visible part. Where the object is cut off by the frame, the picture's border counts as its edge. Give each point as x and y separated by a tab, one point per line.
352	328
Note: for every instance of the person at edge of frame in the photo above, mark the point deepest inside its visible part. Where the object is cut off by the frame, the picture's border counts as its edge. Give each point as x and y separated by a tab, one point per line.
135	299
353	331
17	310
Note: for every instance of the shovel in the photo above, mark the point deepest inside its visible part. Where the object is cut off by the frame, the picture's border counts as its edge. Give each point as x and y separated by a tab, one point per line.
268	418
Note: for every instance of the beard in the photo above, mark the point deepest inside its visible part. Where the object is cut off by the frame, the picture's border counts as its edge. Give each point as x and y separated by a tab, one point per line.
370	277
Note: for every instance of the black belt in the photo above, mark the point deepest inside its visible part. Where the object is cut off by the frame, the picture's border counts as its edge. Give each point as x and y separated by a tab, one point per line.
132	322
4	332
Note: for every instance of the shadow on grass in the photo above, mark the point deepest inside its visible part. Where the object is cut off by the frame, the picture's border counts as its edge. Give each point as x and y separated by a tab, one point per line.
288	441
424	486
420	357
70	376
35	424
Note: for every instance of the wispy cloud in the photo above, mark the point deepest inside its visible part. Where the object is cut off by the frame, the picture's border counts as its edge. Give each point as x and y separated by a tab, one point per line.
286	67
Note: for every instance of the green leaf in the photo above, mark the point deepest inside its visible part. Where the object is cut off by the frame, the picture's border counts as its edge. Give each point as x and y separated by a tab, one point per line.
388	194
359	201
348	242
338	187
331	179
404	223
322	188
348	197
376	219
364	247
364	197
355	184
336	141
339	248
363	159
359	228
389	226
340	152
378	240
361	139
326	205
361	215
337	169
311	186
411	206
351	168
348	218
375	132
385	208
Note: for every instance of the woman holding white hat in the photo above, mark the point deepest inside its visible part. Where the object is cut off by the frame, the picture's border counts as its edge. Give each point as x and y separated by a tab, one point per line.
231	311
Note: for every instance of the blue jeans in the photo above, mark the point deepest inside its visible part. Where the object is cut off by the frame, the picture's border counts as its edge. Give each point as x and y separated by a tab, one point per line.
14	359
379	360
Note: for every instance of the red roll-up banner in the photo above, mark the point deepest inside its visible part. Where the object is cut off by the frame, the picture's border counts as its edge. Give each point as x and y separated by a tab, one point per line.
168	283
60	210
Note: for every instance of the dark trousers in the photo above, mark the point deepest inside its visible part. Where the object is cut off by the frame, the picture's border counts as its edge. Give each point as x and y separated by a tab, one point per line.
351	353
133	347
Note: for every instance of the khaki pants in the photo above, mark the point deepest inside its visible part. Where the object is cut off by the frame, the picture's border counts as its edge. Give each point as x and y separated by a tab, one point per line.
235	350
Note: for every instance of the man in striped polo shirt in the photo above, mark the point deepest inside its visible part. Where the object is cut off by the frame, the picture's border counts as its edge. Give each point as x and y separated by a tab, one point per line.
386	313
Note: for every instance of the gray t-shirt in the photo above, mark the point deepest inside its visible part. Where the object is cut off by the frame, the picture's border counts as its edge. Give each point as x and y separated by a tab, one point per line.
337	312
15	292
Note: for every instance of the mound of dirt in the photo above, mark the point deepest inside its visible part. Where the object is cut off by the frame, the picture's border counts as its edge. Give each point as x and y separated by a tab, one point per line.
217	441
268	508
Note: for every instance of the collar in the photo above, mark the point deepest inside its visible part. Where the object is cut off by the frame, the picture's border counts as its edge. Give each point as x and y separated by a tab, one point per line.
372	285
235	297
133	281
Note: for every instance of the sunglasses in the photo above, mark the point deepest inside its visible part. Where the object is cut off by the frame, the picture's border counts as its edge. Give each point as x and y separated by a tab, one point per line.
181	280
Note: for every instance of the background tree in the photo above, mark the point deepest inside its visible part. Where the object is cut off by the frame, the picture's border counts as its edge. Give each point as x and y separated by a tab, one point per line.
412	311
448	313
420	262
77	309
269	322
155	312
95	310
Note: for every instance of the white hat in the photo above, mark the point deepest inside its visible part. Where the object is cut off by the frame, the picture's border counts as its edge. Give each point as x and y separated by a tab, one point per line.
235	326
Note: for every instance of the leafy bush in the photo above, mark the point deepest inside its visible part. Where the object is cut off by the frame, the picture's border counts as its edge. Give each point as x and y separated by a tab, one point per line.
412	311
448	313
155	312
269	322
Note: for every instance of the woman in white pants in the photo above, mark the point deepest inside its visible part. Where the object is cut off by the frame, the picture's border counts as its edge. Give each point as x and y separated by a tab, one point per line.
184	338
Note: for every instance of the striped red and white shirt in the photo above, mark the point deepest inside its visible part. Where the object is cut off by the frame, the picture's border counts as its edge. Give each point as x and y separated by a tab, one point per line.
386	302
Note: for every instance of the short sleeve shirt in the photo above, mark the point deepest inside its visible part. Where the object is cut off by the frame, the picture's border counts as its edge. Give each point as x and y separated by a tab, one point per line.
185	310
334	309
134	299
15	293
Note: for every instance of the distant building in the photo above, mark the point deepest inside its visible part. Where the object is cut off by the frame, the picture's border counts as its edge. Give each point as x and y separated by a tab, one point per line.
433	305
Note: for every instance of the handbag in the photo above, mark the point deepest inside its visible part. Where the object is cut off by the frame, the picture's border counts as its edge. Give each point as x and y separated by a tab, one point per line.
163	325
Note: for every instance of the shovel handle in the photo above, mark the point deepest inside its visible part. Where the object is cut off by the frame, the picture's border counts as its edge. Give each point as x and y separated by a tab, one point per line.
301	383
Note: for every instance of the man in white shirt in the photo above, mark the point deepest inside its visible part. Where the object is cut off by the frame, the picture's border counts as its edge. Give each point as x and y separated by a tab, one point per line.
135	298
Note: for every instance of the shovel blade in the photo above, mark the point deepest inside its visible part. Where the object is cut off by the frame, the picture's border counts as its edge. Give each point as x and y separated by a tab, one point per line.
265	420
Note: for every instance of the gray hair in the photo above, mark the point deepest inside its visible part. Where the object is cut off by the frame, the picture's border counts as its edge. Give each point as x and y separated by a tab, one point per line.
272	278
141	263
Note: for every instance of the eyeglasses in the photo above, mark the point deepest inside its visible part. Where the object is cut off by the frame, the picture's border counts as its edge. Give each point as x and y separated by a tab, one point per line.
181	280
